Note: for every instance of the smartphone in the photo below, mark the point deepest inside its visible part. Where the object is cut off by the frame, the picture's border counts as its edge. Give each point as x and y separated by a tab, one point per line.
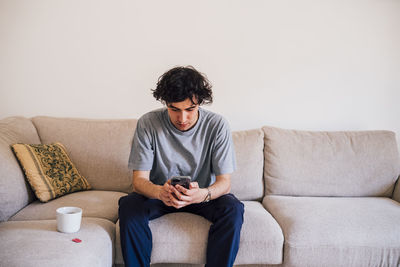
181	180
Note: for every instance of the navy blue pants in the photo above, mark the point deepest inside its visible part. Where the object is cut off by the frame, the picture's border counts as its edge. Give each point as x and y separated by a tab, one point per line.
225	213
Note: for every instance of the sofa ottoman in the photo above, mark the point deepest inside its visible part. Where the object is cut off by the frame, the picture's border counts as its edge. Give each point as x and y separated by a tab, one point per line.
37	244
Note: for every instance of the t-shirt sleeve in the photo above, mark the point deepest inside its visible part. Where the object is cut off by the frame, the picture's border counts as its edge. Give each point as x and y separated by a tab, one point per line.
223	156
142	153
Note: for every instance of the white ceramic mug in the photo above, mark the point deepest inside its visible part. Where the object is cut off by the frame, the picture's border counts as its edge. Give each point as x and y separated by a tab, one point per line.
69	219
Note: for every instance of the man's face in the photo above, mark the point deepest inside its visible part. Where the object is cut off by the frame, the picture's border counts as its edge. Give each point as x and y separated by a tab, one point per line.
183	115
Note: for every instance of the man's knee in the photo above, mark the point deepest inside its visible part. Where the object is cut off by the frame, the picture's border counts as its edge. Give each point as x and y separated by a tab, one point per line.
232	209
131	205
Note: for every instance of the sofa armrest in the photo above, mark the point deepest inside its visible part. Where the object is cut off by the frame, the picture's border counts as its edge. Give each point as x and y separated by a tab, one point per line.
396	192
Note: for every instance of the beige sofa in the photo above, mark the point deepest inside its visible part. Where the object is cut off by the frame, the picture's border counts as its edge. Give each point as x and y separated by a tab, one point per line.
311	199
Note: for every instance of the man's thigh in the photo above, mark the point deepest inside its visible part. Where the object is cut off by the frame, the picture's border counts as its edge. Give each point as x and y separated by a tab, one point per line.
216	208
135	204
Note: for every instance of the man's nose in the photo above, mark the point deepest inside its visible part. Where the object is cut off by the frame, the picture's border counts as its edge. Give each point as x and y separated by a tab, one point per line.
182	116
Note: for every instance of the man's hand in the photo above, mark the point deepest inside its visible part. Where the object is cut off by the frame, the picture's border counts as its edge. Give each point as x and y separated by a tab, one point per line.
185	197
178	197
165	193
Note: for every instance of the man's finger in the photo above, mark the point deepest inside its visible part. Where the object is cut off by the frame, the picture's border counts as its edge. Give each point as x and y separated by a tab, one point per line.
192	191
193	185
177	202
165	194
181	189
176	192
182	198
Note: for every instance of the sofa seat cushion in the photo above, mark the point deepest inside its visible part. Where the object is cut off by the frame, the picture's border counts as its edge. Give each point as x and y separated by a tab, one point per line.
37	243
182	238
324	231
100	204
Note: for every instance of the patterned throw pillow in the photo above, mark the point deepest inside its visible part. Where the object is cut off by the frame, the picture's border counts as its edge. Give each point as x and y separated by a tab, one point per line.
49	170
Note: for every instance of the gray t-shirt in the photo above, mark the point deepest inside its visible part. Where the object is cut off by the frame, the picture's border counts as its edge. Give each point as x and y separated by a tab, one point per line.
204	151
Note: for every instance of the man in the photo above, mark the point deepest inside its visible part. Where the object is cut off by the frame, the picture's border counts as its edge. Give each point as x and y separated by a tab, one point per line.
181	140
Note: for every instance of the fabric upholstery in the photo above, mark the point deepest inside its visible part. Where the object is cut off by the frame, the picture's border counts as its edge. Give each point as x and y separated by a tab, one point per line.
100	204
99	148
396	192
49	170
332	231
15	192
182	237
345	164
202	265
38	244
247	181
198	265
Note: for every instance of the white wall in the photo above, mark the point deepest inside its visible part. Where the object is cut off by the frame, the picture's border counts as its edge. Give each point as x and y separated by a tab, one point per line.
318	65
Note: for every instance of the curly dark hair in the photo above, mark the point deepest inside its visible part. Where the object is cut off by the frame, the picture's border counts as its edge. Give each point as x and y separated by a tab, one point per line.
180	83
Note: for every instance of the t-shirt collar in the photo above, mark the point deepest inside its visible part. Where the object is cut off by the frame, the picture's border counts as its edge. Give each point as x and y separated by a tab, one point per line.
188	132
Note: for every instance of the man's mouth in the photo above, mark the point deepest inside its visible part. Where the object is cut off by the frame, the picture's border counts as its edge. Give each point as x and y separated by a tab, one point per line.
183	125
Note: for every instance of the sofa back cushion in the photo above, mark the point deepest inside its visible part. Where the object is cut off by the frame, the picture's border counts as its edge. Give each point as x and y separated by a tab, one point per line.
344	164
247	181
15	192
99	148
